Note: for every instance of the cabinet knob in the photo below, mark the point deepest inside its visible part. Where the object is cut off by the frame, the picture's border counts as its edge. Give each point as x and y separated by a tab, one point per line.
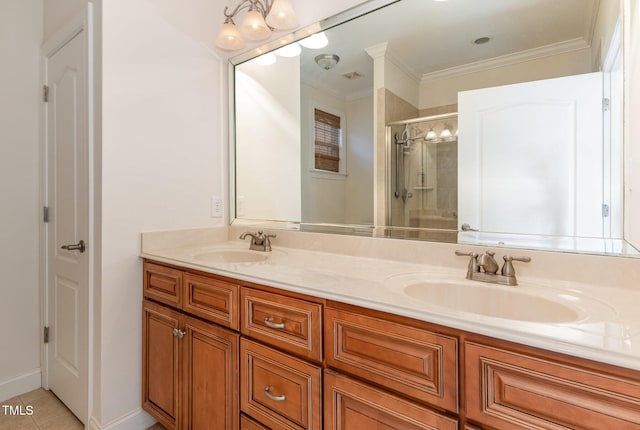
267	392
178	333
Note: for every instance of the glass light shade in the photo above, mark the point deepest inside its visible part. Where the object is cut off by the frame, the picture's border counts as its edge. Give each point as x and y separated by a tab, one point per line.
289	51
229	37
446	133
315	41
430	135
265	59
253	26
282	16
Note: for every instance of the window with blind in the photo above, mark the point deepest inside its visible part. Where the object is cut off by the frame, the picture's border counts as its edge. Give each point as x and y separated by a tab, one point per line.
327	141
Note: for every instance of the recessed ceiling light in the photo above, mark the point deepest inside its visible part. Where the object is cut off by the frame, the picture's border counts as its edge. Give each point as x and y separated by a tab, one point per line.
482	40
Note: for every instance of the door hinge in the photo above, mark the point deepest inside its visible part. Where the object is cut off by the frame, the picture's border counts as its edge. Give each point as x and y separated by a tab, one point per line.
45	214
46	334
606	104
45	93
605	211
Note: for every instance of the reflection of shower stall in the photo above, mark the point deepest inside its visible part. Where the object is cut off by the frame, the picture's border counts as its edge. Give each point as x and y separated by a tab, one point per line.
424	175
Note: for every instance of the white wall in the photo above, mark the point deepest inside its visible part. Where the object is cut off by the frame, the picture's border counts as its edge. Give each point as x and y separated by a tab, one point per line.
268	118
20	102
58	12
163	157
359	183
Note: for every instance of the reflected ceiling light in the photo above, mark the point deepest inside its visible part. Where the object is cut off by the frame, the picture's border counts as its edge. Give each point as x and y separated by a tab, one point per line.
315	41
327	61
289	51
265	59
430	135
261	18
446	132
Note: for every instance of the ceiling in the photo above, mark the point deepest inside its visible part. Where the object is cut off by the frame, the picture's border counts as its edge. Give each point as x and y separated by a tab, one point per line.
426	36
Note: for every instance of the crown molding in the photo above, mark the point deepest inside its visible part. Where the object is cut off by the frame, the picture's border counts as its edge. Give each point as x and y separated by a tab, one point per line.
505	60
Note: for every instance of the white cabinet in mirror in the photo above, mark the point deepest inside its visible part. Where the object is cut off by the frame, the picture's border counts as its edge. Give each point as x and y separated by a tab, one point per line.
537	154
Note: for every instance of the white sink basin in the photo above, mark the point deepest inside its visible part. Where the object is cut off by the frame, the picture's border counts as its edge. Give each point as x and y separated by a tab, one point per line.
497	303
528	303
232	256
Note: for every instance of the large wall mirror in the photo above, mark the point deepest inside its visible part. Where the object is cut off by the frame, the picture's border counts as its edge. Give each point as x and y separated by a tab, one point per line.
495	122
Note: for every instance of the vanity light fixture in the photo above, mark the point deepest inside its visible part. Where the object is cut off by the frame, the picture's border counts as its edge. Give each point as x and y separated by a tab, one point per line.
261	18
445	134
327	61
431	135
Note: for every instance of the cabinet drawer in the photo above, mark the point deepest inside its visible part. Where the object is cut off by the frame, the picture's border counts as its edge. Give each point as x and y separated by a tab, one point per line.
247	423
162	284
508	390
280	391
284	322
212	299
350	404
410	361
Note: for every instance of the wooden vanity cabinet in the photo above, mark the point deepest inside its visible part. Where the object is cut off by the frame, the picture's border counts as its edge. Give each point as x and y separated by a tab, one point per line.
345	367
189	370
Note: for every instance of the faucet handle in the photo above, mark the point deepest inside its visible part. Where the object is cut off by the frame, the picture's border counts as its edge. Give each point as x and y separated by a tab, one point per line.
507	268
473	261
267	241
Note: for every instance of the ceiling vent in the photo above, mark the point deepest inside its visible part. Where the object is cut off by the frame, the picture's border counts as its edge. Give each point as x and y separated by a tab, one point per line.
352	75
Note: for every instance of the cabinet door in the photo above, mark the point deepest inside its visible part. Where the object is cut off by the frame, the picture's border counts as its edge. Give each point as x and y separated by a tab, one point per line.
209	376
160	363
349	405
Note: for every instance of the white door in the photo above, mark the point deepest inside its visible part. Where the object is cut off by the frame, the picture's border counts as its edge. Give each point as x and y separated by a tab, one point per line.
530	158
67	290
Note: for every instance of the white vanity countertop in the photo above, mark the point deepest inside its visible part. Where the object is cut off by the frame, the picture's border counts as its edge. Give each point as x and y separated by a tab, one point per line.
608	329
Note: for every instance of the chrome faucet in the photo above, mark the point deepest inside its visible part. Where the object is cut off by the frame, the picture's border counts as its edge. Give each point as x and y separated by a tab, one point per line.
484	268
259	241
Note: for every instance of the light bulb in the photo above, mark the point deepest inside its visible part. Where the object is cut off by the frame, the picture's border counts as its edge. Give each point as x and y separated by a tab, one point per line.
282	16
446	133
253	26
315	41
229	37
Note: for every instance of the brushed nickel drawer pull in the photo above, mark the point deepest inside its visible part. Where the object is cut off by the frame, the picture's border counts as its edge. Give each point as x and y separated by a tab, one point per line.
268	323
281	398
178	333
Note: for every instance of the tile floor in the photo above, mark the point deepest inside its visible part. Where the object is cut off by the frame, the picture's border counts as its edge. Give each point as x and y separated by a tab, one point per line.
49	413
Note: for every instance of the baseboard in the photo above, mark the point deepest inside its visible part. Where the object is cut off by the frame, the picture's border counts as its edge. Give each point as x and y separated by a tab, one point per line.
135	420
28	381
